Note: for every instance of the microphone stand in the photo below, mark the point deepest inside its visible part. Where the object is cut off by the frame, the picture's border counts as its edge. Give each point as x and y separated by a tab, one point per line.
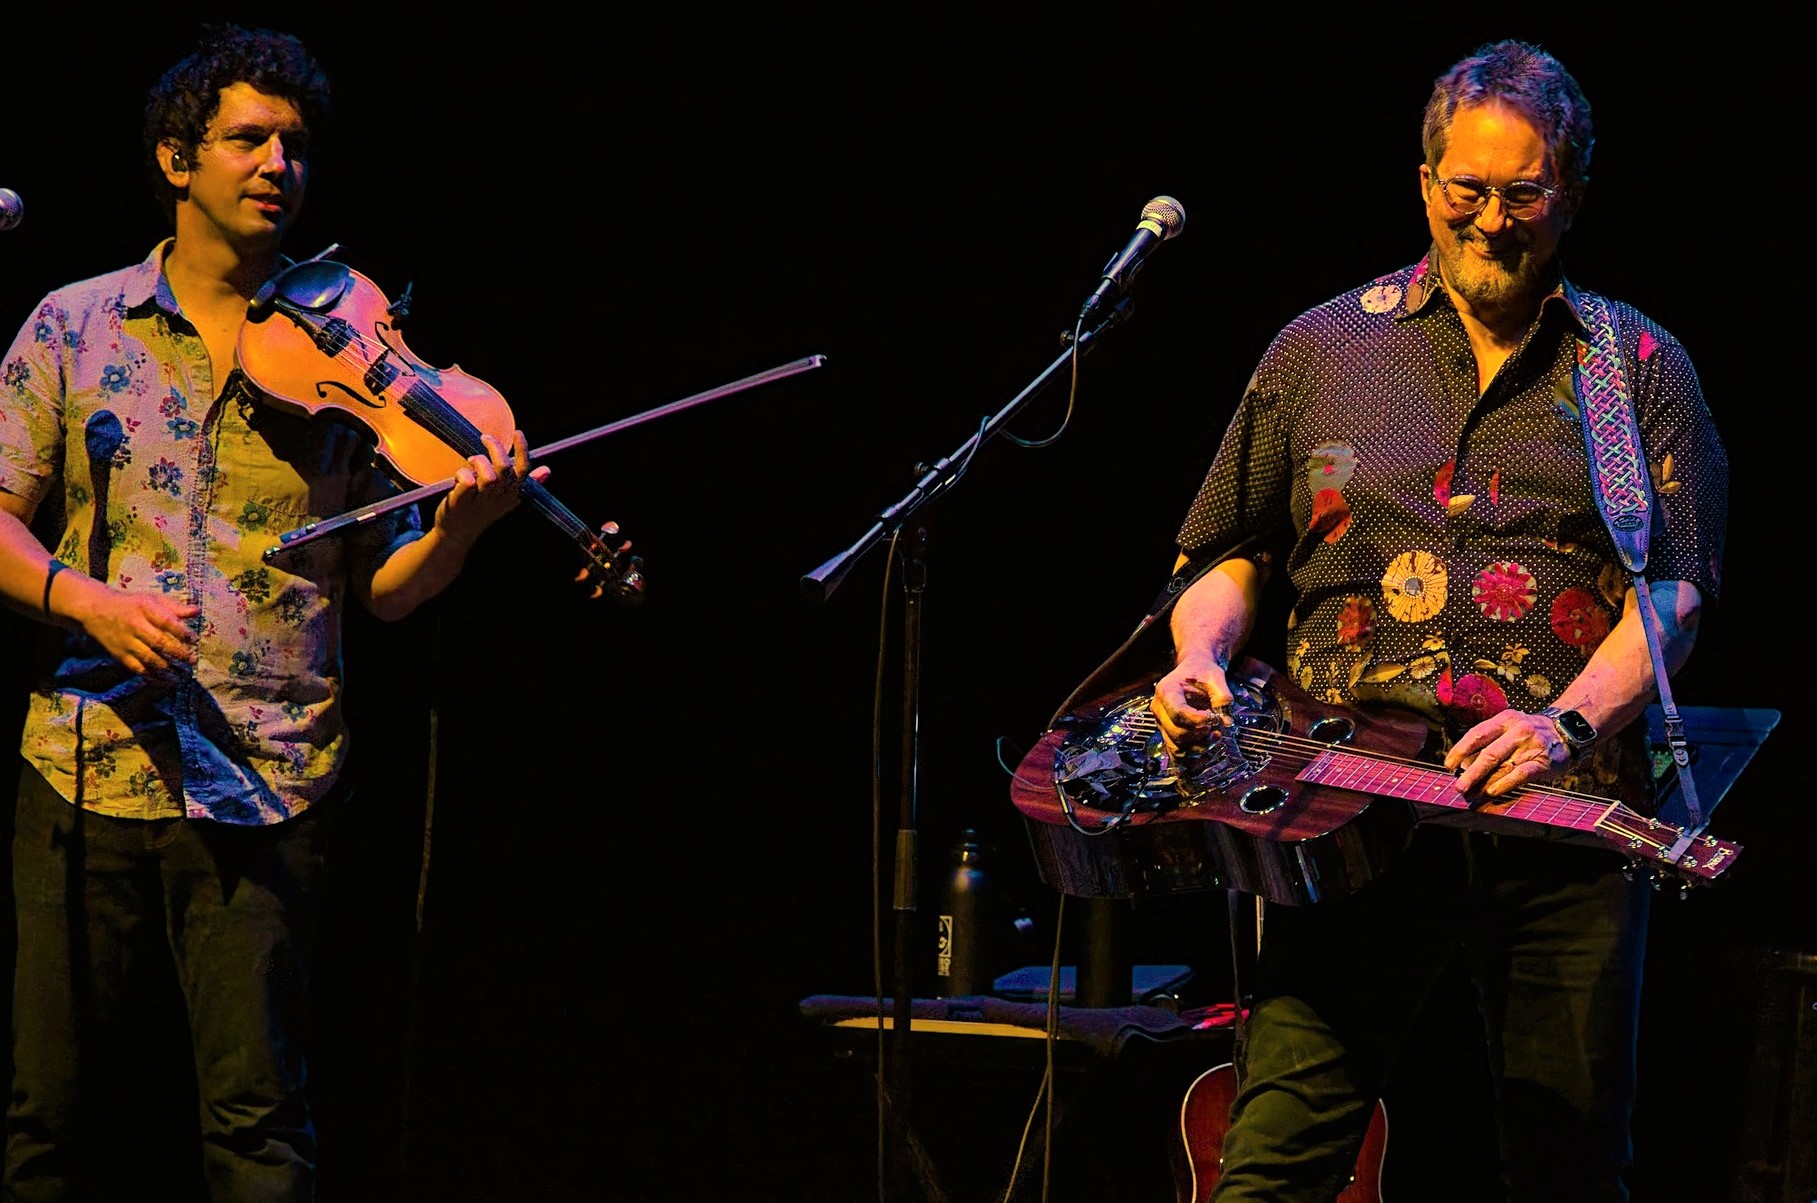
818	585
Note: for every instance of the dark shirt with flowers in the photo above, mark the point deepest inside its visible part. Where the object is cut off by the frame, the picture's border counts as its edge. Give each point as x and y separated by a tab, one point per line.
1446	550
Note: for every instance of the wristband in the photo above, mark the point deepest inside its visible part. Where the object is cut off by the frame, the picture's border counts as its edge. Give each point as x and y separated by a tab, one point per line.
50	574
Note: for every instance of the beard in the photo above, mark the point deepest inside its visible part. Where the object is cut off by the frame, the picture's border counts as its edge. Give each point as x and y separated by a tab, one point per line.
1509	278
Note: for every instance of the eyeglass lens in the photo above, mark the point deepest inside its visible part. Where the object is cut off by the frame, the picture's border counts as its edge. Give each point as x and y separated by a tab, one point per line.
1467	194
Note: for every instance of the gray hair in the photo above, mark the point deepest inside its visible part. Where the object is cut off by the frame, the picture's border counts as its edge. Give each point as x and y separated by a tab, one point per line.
1528	79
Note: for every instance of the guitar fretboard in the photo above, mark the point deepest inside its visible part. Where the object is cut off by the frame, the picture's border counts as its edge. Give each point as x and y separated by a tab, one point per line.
1601	821
1434	787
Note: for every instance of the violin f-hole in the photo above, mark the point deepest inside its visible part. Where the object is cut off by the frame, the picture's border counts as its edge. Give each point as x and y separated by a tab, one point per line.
374	400
425	421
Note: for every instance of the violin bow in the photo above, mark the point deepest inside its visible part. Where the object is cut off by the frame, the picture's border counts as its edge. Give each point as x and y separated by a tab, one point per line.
327	526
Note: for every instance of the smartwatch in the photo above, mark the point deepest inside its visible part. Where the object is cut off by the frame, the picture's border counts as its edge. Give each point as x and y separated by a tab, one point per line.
1576	730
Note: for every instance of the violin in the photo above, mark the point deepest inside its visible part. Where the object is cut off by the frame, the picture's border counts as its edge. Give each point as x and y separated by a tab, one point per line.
322	339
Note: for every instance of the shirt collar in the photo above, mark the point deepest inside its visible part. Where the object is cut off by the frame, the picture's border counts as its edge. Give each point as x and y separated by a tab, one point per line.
145	285
1424	287
1423	284
1567	297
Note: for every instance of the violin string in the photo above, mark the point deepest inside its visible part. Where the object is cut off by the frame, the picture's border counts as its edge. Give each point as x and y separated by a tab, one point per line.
459	433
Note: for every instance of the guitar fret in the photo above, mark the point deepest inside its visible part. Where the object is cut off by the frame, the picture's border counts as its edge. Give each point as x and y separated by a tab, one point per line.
1366	774
1539	806
1263	754
1371	775
1554	810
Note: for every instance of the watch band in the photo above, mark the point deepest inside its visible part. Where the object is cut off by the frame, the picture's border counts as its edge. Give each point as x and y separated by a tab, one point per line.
1572	727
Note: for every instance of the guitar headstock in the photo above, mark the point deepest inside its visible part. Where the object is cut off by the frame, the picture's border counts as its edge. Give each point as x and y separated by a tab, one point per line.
611	568
1651	846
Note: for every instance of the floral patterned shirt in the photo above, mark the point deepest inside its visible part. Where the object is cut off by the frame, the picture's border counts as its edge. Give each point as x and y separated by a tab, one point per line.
1446	549
177	482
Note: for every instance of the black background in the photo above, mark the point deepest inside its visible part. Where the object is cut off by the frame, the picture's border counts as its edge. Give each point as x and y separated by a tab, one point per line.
651	832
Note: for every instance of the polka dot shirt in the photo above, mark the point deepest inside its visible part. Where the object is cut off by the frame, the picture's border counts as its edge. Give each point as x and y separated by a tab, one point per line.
1446	550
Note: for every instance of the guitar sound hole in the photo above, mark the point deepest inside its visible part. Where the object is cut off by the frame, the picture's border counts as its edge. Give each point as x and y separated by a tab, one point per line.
1261	799
1334	730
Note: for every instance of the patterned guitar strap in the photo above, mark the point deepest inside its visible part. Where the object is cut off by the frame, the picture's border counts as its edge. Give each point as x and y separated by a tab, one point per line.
1618	476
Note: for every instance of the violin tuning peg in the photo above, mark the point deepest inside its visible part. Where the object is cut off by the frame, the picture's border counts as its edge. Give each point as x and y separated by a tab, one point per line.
630	587
611	568
400	308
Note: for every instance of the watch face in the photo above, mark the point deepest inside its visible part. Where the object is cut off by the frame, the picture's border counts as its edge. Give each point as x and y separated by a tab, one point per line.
1576	727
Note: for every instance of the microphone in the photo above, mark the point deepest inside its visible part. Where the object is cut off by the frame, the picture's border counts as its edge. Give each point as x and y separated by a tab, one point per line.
1162	218
103	435
12	209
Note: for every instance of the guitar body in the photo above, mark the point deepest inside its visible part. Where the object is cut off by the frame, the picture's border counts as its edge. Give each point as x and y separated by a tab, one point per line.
1297	802
1205	1117
1259	831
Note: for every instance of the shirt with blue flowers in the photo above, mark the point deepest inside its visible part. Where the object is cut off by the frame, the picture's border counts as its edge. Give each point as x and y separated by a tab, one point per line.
174	483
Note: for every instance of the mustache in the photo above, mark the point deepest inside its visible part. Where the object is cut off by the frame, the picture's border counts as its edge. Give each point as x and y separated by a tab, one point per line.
1511	243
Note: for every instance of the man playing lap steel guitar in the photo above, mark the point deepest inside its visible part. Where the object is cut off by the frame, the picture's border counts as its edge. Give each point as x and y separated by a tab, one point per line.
1412	456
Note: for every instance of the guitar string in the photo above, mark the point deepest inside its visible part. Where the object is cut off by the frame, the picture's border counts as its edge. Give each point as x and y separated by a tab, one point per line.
1586	803
1147	722
1316	746
1604	814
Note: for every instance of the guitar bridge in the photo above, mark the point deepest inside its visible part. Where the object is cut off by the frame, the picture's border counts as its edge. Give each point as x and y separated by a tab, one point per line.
1120	763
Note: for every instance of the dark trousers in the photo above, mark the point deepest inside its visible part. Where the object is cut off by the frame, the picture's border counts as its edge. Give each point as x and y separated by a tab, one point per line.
1555	937
119	919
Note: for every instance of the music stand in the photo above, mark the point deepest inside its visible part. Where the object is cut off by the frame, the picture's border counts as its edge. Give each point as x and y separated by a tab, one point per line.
1721	741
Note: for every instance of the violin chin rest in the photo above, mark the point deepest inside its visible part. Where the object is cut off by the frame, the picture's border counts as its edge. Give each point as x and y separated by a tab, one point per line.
313	285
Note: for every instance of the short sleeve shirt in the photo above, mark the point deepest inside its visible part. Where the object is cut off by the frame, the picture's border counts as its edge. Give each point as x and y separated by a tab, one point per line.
177	482
1446	549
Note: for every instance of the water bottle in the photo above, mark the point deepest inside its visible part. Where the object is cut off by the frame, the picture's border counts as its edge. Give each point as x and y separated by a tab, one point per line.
968	944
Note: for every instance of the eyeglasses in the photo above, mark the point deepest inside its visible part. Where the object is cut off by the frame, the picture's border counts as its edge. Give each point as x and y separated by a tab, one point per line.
1523	200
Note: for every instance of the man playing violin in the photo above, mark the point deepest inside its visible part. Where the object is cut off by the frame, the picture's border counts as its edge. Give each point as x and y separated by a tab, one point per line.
184	753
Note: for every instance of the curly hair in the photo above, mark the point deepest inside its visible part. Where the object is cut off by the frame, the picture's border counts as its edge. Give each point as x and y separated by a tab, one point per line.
187	96
1530	80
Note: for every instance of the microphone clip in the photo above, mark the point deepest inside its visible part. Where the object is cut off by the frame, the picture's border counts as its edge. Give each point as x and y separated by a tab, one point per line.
1113	314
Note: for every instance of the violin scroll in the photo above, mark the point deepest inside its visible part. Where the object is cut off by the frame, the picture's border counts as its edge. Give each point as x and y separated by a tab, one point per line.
611	569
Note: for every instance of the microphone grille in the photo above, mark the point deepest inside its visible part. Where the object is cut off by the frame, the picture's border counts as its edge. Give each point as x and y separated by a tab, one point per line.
1168	213
103	434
